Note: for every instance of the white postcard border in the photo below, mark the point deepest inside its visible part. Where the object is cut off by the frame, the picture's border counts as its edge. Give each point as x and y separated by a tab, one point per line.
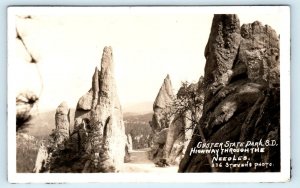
282	176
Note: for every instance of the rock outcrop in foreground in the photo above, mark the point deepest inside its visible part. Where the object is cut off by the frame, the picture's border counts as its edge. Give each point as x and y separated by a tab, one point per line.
97	142
242	94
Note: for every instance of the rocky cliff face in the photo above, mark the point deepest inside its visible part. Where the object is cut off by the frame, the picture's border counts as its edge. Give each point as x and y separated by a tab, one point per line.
241	93
97	143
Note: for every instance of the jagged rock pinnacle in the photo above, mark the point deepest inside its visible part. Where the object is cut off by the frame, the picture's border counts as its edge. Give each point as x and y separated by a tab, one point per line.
97	143
165	94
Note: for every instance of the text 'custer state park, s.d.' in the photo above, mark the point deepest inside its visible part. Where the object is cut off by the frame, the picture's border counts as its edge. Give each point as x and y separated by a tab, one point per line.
226	121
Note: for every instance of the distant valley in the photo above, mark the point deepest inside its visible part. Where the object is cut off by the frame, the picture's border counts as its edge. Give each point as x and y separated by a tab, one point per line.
136	121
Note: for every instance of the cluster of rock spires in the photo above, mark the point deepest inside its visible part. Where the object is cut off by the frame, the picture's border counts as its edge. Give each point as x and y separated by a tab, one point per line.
238	100
242	93
97	142
172	125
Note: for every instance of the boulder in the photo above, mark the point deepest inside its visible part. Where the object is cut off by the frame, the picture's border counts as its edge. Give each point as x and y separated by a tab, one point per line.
85	102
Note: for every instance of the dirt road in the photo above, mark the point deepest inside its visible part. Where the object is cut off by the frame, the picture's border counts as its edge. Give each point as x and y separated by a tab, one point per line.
140	163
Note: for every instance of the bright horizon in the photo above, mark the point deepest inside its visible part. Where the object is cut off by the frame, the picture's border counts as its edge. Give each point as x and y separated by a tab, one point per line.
148	43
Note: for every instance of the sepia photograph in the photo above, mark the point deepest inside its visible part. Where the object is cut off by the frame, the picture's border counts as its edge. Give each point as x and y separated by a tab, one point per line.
148	94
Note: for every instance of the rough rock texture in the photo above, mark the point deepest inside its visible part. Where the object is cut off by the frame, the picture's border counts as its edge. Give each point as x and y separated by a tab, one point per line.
165	94
174	141
172	122
85	102
160	121
183	124
242	101
220	52
107	138
49	154
62	123
41	159
97	143
163	100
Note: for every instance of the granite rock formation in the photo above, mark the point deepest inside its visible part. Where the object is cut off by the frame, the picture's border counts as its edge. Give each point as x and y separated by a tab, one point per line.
107	138
57	142
160	120
172	121
41	159
62	123
187	110
242	94
97	142
163	100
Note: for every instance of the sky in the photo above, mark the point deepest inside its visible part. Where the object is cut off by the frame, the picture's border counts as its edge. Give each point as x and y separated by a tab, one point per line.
148	43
